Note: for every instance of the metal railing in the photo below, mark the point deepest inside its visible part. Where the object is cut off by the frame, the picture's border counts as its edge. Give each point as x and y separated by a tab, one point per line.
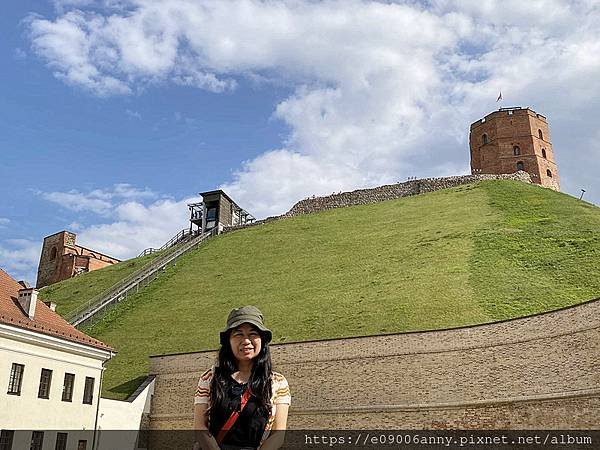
140	278
182	235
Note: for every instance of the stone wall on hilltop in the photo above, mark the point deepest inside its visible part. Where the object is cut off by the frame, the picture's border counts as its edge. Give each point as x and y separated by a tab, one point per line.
383	193
393	191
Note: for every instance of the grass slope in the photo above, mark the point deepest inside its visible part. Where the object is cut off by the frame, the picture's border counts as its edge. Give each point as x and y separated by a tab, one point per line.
71	293
468	255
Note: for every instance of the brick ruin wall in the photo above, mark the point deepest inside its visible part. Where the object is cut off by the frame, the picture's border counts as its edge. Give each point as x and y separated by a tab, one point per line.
69	259
383	193
50	268
537	372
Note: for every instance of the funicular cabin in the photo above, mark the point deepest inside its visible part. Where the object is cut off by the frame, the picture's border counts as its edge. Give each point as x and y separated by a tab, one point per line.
217	210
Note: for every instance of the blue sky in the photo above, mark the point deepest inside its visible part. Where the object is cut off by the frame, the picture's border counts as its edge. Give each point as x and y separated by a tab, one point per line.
116	113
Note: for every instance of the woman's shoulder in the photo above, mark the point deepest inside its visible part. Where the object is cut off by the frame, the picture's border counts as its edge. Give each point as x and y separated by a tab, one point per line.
206	376
280	388
203	390
278	379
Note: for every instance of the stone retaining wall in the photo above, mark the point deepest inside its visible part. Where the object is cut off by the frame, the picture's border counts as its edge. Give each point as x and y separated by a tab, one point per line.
537	372
383	193
393	191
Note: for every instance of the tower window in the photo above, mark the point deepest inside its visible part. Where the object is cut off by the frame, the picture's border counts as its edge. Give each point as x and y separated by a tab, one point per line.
549	173
516	150
53	254
544	152
485	139
520	166
540	134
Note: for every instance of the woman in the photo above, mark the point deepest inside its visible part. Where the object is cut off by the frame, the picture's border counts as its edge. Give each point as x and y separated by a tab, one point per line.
241	403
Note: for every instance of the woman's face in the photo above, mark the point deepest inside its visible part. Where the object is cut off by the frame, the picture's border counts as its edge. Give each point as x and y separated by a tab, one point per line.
245	342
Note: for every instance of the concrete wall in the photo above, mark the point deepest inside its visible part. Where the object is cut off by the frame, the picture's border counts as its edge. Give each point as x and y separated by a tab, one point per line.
538	372
126	416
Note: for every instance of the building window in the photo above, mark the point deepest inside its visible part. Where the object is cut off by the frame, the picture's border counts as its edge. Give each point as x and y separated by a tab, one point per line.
516	150
53	254
540	134
45	381
81	445
549	173
211	214
6	439
88	391
520	166
16	379
485	139
544	152
61	441
67	394
37	440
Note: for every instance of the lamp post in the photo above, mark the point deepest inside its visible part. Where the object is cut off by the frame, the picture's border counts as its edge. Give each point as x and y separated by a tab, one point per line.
582	192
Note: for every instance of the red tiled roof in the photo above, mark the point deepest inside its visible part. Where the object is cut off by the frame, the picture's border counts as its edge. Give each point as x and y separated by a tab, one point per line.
45	320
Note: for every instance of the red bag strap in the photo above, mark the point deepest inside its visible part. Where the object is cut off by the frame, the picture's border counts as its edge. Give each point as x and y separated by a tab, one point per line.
233	417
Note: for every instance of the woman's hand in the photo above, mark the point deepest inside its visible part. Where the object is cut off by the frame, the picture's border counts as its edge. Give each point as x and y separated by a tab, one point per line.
204	440
277	434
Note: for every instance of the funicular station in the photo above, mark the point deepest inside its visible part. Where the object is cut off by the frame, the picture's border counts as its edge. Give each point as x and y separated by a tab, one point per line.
216	210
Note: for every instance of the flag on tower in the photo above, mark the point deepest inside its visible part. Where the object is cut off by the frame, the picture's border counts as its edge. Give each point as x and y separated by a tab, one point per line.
499	97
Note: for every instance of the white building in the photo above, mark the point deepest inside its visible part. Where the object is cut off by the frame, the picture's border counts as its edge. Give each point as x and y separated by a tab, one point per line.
50	375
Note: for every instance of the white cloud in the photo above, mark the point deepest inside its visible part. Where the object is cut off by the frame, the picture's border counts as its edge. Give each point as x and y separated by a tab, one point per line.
133	114
136	226
381	90
76	201
20	54
20	257
99	201
134	218
4	221
62	5
74	226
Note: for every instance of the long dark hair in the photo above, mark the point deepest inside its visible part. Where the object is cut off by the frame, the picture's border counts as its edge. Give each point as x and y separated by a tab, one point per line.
259	382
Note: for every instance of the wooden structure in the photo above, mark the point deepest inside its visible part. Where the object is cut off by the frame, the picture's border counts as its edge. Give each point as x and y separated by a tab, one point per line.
217	210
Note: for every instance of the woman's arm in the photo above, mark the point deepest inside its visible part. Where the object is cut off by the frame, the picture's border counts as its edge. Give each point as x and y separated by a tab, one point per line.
277	434
204	440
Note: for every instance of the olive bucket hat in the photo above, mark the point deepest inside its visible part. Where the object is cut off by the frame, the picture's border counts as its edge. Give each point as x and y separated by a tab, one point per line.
246	314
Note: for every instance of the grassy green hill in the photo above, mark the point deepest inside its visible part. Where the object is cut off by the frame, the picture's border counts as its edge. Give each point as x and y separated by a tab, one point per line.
469	255
71	293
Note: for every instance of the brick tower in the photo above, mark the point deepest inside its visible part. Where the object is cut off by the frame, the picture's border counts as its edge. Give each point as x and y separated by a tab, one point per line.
512	139
62	258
